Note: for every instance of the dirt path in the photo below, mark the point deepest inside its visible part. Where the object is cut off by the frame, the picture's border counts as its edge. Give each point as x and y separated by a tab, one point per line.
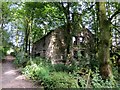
11	78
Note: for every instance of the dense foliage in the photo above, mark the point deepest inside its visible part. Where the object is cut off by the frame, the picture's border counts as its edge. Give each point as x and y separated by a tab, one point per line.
60	76
95	64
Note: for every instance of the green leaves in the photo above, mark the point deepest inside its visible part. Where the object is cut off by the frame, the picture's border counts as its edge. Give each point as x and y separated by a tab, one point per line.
41	70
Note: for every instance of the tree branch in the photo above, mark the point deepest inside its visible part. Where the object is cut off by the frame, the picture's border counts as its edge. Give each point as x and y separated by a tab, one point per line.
117	12
117	30
116	26
90	7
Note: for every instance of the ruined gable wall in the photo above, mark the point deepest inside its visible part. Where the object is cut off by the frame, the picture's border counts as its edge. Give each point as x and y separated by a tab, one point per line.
40	46
52	46
55	46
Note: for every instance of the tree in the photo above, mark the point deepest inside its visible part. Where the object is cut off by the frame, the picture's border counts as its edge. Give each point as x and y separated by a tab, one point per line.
104	45
4	35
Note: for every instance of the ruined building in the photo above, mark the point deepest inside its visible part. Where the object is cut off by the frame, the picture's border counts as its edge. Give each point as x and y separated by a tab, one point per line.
52	45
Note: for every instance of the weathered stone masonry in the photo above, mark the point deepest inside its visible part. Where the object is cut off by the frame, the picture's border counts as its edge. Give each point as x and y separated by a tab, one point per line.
51	46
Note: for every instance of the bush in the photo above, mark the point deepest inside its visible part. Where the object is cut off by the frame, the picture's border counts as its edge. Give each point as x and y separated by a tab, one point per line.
98	82
57	76
41	70
36	72
65	68
37	68
20	59
60	80
81	82
60	67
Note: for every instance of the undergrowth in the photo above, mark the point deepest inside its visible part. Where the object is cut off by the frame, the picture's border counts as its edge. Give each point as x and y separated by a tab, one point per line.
65	76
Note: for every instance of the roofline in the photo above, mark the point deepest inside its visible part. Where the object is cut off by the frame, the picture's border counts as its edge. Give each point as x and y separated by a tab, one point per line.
62	26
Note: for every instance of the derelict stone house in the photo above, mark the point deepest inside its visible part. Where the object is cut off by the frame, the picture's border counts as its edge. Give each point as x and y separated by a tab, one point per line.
52	45
83	42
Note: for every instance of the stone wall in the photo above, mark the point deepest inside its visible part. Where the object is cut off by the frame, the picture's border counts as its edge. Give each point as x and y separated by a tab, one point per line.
51	46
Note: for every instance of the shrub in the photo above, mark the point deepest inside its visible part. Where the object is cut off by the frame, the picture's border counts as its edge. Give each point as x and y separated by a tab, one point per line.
36	72
37	68
57	76
98	82
81	82
41	70
60	67
60	80
20	59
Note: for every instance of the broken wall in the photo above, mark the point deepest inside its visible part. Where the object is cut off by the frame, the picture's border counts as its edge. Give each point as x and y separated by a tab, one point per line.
51	46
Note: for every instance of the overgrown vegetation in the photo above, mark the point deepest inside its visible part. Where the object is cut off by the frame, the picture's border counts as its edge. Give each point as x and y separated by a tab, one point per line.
48	75
89	43
62	76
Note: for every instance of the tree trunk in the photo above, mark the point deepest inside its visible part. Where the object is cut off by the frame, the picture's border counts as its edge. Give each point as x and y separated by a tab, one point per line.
68	29
30	29
26	38
1	33
104	45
